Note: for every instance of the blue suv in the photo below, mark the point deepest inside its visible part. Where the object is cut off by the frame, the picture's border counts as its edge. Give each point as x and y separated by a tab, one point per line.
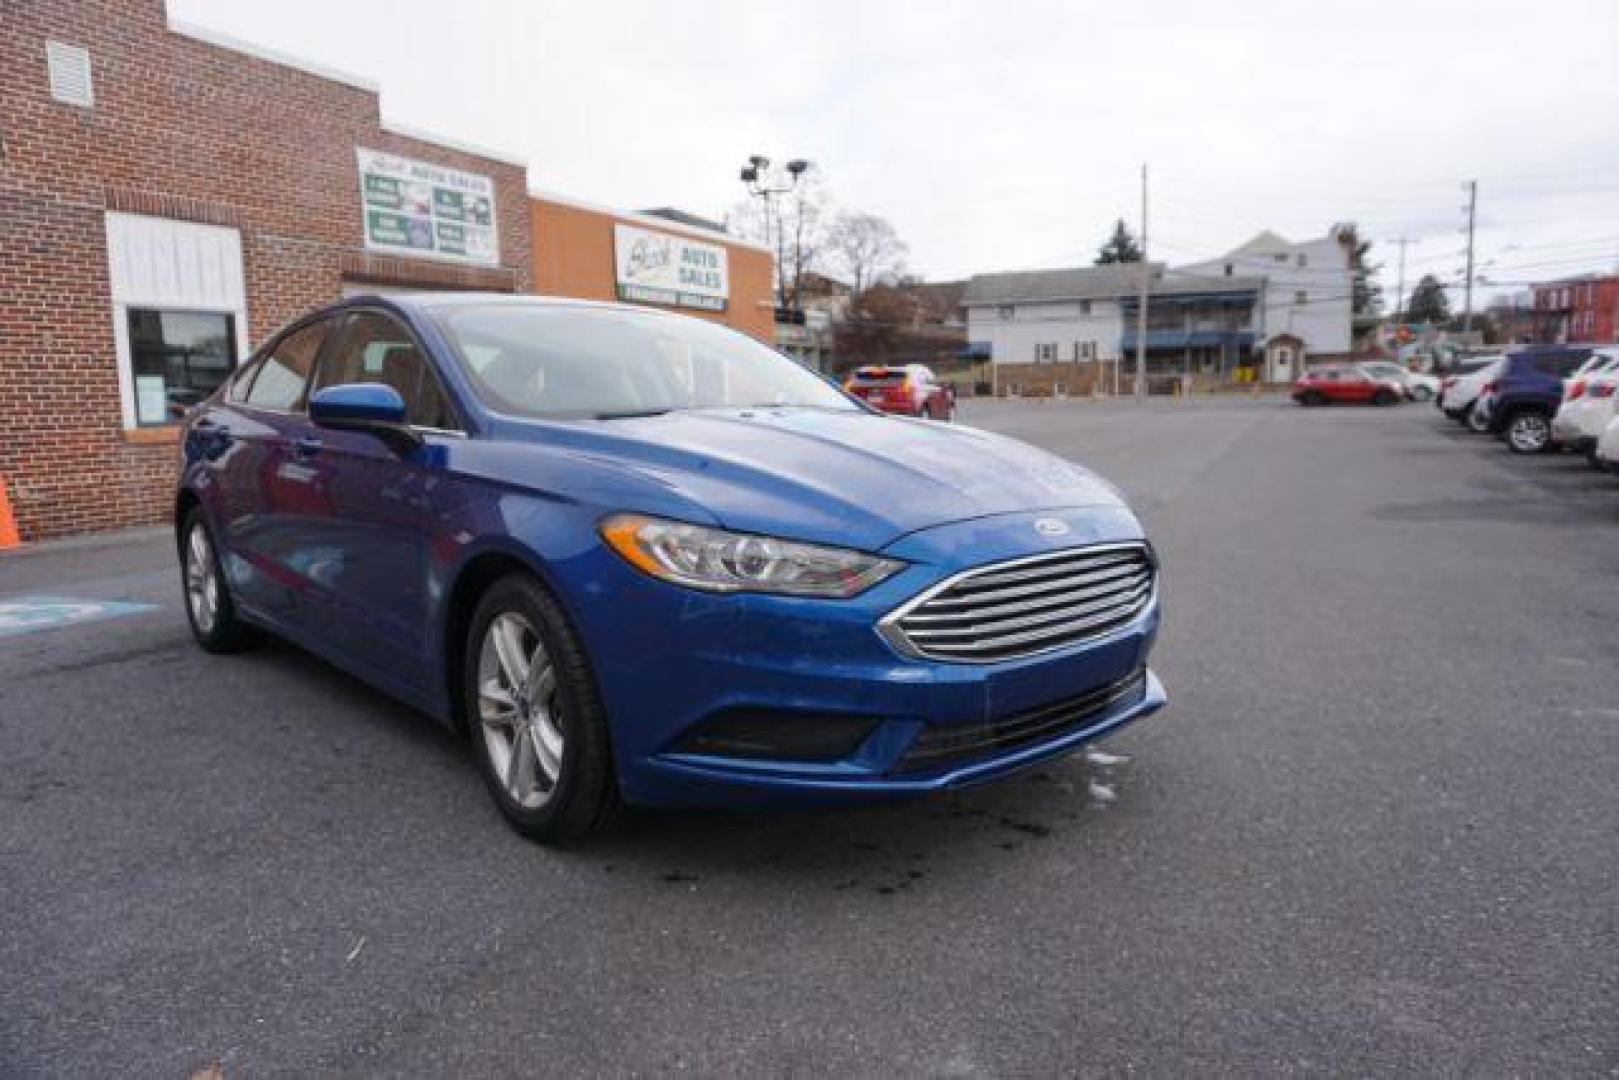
1528	390
640	557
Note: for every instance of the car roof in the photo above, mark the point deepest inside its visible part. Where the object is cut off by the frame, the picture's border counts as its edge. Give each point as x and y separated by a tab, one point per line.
428	302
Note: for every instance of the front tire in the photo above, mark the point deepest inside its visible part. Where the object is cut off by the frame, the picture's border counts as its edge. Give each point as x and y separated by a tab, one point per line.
1528	431
1311	399
209	608
538	727
1421	393
1383	397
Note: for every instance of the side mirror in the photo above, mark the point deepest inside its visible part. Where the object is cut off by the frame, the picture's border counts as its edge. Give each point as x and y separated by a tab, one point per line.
374	408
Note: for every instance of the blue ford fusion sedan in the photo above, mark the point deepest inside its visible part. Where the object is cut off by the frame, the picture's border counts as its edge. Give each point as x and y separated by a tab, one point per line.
641	558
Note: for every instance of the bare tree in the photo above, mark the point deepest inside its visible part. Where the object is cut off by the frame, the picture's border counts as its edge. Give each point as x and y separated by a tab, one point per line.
866	247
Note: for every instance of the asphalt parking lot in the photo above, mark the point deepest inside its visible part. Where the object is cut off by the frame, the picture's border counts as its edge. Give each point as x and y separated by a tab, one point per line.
1375	831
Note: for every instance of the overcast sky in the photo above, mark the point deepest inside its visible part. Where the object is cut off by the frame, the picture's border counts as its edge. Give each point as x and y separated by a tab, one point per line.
1009	134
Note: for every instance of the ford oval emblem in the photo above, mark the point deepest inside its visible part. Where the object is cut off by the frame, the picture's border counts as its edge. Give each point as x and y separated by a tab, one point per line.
1051	527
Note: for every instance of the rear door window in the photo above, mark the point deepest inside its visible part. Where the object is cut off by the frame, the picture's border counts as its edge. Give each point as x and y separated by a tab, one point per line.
1562	365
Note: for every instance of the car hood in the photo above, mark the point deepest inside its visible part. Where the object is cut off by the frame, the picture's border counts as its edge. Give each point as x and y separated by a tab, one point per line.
842	477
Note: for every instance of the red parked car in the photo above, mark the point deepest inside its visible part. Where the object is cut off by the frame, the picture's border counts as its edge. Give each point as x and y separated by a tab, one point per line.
1346	383
910	390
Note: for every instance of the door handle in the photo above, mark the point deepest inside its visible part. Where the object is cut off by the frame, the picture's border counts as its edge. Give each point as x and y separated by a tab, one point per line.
307	446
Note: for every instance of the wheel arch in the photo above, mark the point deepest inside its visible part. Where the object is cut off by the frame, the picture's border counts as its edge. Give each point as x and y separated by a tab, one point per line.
471	580
1506	409
185	501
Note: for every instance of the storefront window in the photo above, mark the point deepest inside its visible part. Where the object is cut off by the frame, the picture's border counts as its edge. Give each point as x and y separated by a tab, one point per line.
180	357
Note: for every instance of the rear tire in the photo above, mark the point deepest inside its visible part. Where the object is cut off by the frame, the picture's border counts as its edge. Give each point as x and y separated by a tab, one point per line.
1476	420
209	608
1311	399
1383	397
1528	431
1421	393
538	727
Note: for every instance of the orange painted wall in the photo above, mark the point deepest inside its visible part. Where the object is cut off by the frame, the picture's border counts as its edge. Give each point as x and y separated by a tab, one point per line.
573	256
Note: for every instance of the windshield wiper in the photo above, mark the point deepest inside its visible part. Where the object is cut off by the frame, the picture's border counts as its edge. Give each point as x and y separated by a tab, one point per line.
629	414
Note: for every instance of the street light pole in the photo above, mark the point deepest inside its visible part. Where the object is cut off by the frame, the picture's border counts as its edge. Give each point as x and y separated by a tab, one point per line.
757	178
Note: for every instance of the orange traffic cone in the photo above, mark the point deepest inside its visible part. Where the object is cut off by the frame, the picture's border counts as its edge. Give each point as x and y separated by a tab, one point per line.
9	537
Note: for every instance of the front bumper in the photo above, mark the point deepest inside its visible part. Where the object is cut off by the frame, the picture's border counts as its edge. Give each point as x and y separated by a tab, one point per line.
686	658
870	776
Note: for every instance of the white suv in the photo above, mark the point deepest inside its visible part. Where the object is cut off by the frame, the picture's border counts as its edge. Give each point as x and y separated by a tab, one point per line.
1417	387
1588	400
1460	390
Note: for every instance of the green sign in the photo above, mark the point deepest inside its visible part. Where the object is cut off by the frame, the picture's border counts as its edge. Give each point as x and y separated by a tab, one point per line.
418	208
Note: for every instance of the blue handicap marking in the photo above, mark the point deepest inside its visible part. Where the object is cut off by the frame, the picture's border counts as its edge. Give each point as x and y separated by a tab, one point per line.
26	614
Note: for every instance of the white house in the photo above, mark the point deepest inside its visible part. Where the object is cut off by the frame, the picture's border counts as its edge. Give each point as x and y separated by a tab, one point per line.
1196	323
1270	304
1309	287
1040	316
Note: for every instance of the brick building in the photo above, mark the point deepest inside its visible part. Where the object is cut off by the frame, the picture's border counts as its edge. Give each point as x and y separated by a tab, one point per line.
167	199
661	258
1583	309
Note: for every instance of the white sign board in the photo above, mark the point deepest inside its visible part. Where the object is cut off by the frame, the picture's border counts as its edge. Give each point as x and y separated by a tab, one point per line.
418	208
662	268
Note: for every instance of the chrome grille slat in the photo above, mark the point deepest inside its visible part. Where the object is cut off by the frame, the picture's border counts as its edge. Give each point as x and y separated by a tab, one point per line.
1030	590
1066	632
1050	599
1051	569
1012	609
983	631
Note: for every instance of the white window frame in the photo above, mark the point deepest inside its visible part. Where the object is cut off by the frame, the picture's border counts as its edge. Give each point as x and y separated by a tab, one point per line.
135	281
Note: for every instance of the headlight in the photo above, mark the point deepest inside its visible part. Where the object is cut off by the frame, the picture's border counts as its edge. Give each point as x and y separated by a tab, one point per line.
721	561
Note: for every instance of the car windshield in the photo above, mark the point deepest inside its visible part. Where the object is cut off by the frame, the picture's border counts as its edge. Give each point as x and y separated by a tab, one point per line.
561	360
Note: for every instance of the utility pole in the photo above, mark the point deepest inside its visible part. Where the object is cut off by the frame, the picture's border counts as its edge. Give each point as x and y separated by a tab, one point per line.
1146	280
1472	214
1399	292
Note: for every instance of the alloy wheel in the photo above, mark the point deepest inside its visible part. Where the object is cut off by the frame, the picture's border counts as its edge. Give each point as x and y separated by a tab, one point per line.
1529	433
519	710
202	583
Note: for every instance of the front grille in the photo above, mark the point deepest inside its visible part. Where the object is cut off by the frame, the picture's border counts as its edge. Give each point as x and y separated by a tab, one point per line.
1026	606
944	745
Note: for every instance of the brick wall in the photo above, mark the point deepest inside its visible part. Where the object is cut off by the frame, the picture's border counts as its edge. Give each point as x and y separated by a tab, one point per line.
184	129
573	256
